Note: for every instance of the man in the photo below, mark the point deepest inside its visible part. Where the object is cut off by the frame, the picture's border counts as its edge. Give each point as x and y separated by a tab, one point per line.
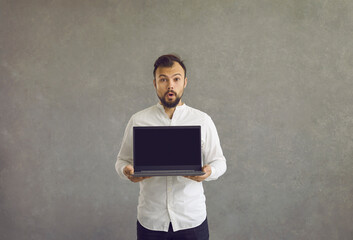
172	207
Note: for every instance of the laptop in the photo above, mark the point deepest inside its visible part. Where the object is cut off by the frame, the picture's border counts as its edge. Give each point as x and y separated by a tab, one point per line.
167	151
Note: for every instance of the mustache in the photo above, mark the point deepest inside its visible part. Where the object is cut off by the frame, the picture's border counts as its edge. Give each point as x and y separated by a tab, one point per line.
171	91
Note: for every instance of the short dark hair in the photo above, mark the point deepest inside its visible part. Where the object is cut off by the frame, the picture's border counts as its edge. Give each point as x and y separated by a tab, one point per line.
168	61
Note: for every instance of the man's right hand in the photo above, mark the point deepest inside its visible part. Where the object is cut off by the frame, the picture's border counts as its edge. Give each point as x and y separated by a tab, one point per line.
128	171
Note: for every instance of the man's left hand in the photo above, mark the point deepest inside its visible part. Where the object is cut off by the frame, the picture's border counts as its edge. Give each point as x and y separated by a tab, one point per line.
207	169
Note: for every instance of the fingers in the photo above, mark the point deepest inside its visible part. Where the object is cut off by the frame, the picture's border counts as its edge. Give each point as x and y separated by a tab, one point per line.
128	170
137	179
206	169
196	178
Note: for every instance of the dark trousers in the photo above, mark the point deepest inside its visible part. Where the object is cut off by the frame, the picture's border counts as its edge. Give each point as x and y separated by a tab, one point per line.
197	233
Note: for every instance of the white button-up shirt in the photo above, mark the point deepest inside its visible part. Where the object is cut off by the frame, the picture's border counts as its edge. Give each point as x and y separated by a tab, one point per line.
174	199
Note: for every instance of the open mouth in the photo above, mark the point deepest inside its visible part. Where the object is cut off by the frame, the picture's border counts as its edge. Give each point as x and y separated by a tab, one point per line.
170	94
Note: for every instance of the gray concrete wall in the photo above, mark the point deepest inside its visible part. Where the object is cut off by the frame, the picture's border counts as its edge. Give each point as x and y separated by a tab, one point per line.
275	76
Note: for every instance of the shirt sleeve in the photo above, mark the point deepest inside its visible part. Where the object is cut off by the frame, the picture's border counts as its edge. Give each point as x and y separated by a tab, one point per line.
125	155
213	154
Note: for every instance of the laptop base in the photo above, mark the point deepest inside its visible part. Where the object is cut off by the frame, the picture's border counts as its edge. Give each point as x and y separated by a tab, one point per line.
168	173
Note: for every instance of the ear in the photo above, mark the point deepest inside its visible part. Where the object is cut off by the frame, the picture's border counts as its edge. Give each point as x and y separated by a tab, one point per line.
154	83
185	82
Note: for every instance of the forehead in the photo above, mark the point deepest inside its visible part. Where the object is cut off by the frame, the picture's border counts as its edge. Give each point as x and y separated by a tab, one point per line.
170	71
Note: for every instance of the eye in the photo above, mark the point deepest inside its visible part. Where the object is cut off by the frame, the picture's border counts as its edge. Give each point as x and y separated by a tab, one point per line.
176	79
163	79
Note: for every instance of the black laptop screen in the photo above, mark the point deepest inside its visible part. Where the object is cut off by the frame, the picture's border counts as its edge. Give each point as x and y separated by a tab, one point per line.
167	146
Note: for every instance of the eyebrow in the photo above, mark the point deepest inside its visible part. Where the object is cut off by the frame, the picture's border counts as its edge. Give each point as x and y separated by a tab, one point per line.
163	75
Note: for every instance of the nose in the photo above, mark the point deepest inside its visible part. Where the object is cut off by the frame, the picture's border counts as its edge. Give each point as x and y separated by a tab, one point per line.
170	85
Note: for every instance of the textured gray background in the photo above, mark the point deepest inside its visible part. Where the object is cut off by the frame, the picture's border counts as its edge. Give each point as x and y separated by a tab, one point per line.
275	76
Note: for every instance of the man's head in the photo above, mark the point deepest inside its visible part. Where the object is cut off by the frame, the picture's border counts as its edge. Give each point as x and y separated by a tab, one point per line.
169	80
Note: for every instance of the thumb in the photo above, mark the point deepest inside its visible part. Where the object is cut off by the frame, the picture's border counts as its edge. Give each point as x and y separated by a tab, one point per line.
129	170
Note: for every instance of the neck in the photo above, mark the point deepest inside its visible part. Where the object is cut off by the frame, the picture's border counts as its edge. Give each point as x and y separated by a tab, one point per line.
170	111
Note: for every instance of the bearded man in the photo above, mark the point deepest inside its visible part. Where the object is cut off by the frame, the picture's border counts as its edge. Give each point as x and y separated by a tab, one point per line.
172	207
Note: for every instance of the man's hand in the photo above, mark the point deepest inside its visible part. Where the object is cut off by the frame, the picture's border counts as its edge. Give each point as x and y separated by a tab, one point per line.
207	169
128	171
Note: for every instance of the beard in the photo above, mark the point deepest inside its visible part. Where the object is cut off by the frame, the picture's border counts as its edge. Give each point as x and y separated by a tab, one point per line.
170	104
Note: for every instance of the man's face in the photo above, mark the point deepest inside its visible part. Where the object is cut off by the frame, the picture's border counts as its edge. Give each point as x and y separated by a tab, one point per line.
170	83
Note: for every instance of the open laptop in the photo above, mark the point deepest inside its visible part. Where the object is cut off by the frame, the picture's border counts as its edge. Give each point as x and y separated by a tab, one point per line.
167	151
